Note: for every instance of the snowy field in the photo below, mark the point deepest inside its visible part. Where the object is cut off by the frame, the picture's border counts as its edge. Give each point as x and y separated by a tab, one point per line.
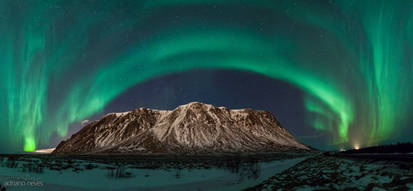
42	173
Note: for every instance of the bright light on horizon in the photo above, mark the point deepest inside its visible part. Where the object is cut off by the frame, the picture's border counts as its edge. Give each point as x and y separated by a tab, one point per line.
356	146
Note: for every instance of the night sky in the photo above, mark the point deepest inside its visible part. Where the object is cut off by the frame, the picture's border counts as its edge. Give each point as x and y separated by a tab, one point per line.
335	73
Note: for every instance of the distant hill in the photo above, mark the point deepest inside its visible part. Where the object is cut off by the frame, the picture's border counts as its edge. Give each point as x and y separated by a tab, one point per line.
394	148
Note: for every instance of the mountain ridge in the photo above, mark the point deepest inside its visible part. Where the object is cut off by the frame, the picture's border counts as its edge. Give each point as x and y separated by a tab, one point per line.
192	128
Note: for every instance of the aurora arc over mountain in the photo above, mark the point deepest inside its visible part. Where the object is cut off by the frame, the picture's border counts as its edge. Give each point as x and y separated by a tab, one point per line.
63	61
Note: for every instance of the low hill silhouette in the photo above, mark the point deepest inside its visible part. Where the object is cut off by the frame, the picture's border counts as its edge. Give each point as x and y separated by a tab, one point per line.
393	148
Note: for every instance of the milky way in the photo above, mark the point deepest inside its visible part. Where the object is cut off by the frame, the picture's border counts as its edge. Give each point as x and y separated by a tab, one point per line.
63	61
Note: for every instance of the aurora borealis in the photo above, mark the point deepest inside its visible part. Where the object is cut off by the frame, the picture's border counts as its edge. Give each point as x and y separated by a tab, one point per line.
64	61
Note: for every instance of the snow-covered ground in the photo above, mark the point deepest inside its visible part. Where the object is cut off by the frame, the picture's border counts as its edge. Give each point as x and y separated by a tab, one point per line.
332	173
86	175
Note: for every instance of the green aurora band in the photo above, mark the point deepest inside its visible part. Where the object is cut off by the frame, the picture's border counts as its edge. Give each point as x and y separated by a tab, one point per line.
63	61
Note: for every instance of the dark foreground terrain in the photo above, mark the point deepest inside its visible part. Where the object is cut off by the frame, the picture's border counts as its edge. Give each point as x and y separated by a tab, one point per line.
345	172
312	171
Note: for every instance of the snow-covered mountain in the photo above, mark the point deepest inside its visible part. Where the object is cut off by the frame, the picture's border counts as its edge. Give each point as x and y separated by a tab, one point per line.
192	128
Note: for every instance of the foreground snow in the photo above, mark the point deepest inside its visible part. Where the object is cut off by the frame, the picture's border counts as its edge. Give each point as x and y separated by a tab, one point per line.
48	173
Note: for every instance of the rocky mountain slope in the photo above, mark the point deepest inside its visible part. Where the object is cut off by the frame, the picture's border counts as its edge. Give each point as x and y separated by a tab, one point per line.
192	128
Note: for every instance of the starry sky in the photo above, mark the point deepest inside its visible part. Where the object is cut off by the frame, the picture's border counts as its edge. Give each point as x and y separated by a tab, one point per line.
336	73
